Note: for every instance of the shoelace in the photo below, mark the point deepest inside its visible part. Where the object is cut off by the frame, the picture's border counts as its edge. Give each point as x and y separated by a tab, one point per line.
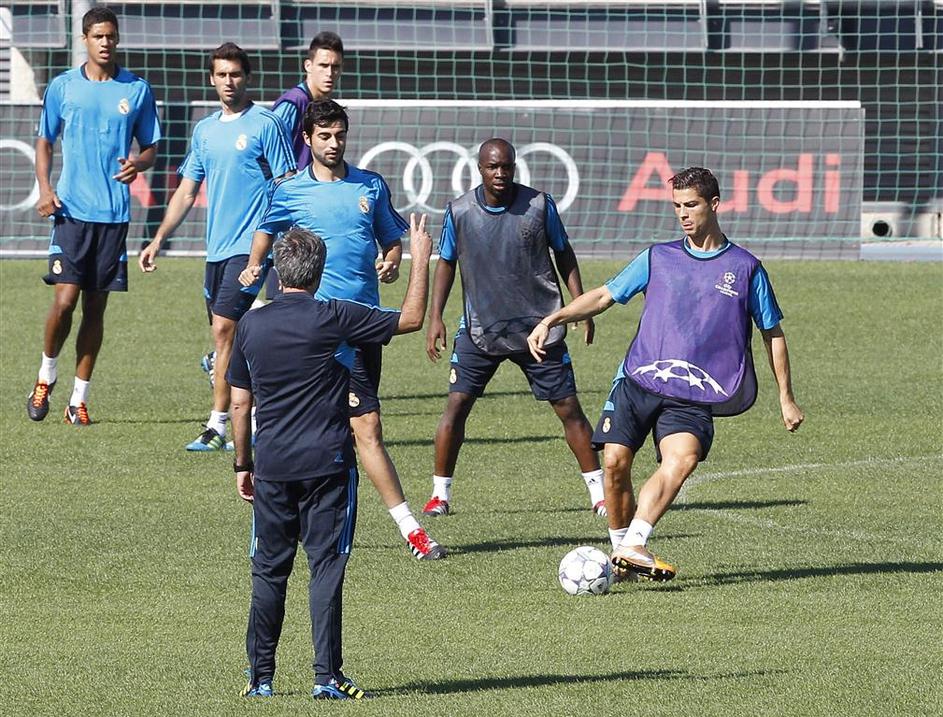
82	412
421	541
40	393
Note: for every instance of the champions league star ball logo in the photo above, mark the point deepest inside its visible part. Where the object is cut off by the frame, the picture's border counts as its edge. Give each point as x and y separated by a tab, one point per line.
726	285
665	370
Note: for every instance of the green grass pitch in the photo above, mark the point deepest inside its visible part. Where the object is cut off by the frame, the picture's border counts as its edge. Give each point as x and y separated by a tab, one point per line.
810	565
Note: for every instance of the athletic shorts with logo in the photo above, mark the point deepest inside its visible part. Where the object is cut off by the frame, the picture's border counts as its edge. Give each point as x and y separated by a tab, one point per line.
224	295
93	255
471	369
631	413
364	396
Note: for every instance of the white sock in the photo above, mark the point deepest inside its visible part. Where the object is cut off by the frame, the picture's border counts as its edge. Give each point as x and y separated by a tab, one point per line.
47	369
218	422
404	518
616	536
593	481
638	533
442	487
79	392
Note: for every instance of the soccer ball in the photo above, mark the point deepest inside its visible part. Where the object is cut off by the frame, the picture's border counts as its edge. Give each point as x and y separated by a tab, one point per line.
585	571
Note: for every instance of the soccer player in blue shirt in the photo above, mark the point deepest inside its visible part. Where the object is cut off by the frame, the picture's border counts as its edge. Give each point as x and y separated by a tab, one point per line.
240	151
501	234
690	361
322	65
351	209
97	109
291	357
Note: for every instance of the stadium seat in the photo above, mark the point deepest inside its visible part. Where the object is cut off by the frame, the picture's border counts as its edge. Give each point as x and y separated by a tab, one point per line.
391	24
38	24
149	24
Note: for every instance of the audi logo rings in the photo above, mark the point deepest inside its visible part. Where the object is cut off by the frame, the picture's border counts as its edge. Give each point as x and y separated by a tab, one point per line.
465	157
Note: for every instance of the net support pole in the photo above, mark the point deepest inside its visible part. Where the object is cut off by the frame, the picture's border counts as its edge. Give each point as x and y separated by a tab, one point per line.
79	8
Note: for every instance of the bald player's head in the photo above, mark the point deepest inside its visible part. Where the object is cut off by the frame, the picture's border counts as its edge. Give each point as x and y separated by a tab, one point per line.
496	144
496	166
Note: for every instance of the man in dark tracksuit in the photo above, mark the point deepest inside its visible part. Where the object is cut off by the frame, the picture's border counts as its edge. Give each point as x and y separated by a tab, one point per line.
290	357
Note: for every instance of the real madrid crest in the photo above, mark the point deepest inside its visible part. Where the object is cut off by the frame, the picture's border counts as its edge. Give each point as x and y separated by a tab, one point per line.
241	142
124	106
57	267
364	205
353	399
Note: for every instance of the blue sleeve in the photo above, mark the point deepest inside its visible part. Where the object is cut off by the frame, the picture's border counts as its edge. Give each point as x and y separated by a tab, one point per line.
277	148
192	166
278	216
238	373
762	304
633	279
556	234
288	113
388	225
447	248
50	121
362	324
147	125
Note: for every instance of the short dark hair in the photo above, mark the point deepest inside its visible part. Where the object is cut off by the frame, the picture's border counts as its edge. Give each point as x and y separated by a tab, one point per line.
299	258
232	52
326	40
96	15
323	113
697	178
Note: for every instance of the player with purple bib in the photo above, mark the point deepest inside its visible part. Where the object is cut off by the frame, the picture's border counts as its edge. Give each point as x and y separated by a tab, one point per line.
690	360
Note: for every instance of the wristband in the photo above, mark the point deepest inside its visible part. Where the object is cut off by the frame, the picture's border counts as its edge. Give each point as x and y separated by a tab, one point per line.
250	466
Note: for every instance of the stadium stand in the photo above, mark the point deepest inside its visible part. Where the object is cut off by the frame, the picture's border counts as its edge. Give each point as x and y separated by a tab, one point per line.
884	55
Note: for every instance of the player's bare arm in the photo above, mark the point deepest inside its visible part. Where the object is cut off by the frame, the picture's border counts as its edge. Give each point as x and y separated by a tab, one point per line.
441	287
48	199
388	265
130	167
583	307
778	354
240	410
413	311
569	270
261	246
177	209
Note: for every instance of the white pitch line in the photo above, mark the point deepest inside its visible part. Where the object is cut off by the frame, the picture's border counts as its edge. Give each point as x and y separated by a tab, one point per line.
704	478
768	524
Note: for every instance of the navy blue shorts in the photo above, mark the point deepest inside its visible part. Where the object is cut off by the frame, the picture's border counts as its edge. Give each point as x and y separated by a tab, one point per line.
90	254
225	296
272	287
550	380
631	413
364	396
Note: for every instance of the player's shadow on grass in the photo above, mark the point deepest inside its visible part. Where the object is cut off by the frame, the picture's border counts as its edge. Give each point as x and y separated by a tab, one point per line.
514	682
494	546
478	441
736	504
152	421
763	576
444	394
